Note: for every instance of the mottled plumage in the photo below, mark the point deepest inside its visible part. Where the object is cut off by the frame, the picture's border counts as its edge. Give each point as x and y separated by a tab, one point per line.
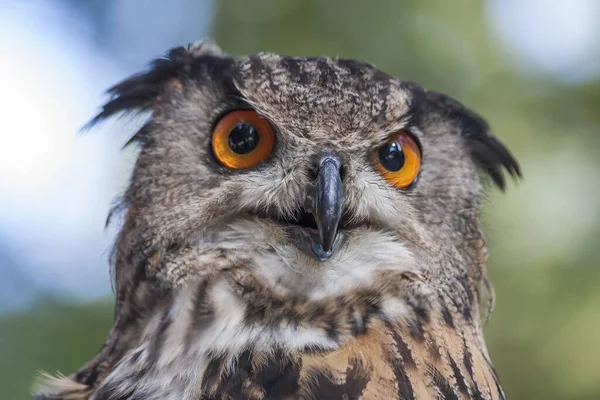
215	297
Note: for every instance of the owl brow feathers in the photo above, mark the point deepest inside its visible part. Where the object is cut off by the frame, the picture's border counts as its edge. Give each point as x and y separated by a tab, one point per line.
140	92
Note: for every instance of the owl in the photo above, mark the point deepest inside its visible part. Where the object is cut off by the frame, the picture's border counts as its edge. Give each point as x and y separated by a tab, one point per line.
296	228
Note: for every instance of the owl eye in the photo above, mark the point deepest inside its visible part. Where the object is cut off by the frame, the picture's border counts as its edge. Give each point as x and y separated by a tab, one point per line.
399	160
242	139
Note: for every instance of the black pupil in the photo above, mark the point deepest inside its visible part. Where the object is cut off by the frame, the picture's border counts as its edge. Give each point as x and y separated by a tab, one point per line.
243	138
391	156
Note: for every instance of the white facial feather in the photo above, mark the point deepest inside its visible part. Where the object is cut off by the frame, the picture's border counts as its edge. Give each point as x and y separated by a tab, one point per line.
284	264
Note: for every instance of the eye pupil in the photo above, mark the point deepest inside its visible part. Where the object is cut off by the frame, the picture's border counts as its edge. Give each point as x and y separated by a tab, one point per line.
243	139
391	156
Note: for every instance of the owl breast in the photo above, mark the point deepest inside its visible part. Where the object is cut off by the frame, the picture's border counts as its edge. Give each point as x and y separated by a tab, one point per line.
236	335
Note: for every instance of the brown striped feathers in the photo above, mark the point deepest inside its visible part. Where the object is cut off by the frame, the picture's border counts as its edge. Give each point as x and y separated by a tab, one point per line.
296	228
232	338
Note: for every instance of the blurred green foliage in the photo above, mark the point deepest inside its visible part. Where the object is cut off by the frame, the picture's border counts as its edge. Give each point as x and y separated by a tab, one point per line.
52	337
544	233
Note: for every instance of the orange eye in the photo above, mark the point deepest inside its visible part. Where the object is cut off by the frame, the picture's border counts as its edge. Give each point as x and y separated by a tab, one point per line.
242	139
399	160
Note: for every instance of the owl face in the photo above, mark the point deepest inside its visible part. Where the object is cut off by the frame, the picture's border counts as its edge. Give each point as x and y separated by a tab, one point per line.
306	164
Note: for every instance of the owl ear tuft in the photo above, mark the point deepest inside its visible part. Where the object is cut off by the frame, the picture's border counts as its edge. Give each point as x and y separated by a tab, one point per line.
139	92
487	152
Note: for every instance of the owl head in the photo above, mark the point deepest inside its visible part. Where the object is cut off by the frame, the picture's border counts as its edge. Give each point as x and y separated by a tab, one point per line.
318	169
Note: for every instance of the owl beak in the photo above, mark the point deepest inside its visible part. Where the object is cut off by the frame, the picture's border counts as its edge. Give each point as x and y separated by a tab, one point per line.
327	205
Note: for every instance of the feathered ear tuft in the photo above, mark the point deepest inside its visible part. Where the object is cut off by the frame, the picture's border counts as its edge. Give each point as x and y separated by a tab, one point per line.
486	151
491	156
139	92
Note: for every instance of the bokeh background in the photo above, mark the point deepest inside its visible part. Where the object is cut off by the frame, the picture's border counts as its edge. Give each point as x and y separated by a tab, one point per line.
531	67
